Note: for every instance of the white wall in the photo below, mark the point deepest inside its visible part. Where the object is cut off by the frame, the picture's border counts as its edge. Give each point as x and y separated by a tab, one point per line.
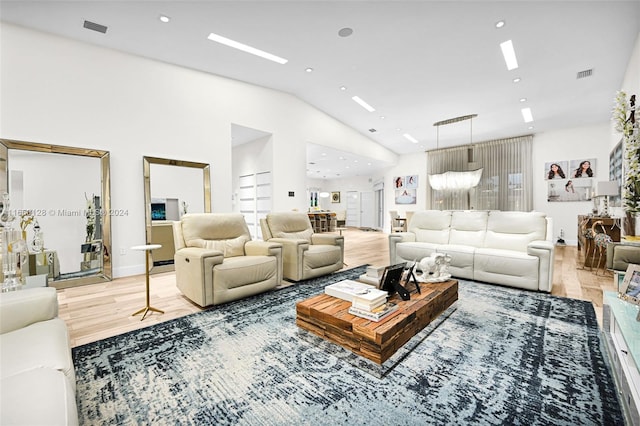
569	144
60	91
408	165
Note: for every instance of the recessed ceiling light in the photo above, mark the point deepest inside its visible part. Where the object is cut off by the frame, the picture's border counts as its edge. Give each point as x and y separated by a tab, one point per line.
345	32
164	18
509	55
526	114
530	127
343	88
363	104
246	48
500	23
516	80
95	27
382	117
523	99
410	138
309	69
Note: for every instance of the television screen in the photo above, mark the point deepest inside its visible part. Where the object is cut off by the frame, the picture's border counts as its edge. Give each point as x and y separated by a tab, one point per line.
158	211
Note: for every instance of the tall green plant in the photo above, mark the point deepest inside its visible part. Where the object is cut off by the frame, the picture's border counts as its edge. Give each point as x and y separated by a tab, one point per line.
626	123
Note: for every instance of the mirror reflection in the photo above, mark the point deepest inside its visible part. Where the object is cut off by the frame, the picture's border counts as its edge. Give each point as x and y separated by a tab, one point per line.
171	189
59	197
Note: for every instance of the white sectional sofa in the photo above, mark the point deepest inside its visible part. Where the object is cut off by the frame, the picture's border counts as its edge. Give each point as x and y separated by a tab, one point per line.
508	248
37	376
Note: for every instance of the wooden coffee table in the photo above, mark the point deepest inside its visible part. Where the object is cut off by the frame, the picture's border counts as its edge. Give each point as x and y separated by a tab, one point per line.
328	317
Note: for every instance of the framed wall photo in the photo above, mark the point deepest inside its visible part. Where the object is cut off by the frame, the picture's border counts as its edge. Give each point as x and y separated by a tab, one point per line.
405	196
556	170
582	168
630	289
398	182
411	182
335	197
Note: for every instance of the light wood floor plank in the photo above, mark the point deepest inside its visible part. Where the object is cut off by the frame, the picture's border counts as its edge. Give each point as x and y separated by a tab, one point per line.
98	311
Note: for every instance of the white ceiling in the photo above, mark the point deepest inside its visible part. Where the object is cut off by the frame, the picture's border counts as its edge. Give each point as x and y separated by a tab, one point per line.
416	62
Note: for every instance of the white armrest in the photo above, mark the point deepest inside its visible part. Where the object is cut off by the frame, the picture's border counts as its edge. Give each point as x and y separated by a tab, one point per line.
327	239
21	308
398	237
544	251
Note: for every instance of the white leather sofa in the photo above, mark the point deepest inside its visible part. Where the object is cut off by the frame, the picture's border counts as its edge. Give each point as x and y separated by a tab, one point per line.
37	377
508	248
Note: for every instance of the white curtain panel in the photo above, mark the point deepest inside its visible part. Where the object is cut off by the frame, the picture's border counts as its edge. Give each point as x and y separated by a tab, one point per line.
507	176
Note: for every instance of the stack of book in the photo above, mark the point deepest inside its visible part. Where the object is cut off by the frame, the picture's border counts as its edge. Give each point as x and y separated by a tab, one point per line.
373	275
373	305
348	289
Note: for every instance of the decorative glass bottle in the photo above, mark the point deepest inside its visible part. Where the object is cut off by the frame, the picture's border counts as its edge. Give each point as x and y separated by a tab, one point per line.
37	244
12	247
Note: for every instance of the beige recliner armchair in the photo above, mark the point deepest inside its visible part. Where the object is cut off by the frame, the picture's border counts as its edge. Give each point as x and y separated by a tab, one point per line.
305	254
217	262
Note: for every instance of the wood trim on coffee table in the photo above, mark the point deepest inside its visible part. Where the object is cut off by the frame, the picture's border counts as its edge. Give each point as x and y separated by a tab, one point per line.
328	317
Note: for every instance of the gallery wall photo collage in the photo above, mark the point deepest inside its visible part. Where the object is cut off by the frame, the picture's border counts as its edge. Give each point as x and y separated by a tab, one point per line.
570	180
405	189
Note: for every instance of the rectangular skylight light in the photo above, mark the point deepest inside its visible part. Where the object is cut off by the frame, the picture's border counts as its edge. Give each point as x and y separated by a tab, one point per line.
410	138
363	104
509	55
237	45
526	114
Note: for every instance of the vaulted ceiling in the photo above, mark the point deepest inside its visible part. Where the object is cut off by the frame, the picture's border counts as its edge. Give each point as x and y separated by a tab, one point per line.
414	62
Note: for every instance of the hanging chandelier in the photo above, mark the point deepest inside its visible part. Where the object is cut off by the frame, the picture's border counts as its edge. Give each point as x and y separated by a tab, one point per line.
456	180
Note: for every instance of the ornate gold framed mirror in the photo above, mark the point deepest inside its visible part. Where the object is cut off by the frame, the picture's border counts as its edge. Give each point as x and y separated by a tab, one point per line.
67	191
171	189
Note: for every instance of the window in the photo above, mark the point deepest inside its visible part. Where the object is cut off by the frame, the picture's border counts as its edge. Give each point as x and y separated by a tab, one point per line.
506	182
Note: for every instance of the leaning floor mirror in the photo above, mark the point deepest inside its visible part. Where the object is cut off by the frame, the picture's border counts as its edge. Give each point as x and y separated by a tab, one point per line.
172	188
58	198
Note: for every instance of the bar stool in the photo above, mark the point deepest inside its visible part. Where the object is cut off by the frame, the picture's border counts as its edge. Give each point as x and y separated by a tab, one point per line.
322	225
333	221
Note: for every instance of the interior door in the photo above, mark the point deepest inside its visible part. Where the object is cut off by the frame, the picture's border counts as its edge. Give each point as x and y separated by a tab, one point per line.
353	208
367	210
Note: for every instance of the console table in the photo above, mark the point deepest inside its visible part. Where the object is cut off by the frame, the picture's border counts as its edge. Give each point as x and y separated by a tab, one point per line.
621	333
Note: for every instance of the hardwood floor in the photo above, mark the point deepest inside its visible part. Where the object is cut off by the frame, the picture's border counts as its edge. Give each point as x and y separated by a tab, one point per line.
97	311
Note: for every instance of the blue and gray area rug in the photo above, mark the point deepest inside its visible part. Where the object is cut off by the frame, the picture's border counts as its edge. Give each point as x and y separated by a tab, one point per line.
504	357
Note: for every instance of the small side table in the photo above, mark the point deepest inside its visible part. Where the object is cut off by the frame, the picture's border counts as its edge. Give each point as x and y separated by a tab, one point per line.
147	249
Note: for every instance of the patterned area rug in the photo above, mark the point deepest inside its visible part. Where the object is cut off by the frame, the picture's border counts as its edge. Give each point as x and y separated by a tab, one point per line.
504	356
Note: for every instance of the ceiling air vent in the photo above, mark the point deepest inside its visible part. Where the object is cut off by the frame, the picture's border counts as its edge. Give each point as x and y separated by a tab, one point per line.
95	27
372	130
584	74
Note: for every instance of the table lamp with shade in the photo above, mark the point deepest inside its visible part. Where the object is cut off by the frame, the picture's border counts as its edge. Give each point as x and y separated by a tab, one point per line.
606	189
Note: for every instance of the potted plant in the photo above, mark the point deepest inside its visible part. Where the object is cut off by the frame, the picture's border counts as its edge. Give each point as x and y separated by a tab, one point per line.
626	123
